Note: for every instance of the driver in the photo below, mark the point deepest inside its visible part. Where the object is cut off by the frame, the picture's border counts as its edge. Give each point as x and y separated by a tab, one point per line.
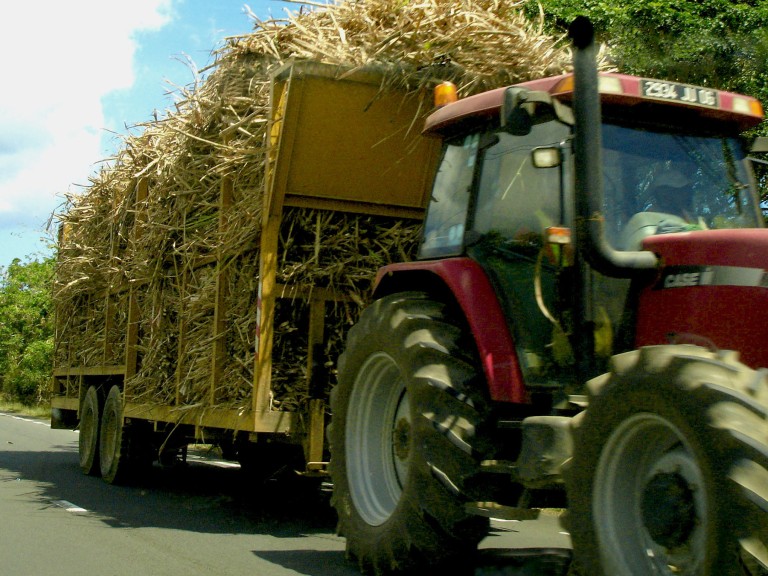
671	193
669	208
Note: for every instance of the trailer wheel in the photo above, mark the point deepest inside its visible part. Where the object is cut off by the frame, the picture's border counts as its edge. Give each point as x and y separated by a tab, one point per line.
670	467
112	444
88	441
408	431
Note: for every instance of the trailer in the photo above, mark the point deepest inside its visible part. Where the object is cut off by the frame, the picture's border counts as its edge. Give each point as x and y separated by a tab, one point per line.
338	143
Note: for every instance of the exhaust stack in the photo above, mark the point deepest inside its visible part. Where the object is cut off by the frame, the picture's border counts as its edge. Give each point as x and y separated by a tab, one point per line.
590	222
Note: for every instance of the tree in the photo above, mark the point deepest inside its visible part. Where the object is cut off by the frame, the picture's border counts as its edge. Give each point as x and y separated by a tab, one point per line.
718	43
26	330
722	43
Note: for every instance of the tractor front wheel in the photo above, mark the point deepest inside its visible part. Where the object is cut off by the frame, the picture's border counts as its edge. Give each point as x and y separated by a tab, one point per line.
670	467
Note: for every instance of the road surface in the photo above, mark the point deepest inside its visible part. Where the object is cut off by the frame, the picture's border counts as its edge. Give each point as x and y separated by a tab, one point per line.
199	520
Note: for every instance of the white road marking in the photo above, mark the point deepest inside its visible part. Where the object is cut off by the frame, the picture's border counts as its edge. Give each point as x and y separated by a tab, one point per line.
68	506
33	421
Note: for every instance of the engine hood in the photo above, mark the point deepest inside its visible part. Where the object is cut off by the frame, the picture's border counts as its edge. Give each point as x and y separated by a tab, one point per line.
746	247
711	290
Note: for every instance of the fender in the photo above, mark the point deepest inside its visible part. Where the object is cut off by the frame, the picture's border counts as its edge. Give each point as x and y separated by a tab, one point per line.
467	282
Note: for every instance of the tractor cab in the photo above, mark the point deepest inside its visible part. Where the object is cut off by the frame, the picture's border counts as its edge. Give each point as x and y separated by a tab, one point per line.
505	195
583	231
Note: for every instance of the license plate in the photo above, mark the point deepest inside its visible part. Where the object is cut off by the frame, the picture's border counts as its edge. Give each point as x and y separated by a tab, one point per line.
672	91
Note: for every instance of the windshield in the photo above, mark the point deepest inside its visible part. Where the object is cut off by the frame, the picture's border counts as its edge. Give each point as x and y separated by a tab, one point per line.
657	182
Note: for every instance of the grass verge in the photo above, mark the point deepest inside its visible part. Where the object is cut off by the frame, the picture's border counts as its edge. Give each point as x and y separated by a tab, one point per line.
35	411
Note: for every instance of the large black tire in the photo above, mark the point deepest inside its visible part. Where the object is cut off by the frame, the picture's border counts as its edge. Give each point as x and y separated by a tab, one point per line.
410	426
111	446
670	467
125	450
88	441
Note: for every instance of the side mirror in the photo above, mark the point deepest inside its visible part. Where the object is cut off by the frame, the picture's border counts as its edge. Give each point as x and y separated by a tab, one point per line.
515	118
522	108
759	145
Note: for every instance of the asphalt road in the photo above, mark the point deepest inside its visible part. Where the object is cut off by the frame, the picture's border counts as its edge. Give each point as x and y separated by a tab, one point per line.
200	519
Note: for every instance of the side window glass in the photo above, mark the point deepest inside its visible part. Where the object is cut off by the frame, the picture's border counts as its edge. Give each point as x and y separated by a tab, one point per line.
516	200
447	212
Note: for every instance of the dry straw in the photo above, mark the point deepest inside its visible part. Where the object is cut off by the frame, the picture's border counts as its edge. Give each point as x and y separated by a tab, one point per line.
164	245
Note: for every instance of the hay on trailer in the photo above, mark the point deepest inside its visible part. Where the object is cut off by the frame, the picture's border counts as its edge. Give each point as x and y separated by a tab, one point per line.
151	218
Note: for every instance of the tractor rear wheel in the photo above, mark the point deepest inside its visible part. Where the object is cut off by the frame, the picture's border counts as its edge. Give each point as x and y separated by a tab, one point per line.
670	467
409	428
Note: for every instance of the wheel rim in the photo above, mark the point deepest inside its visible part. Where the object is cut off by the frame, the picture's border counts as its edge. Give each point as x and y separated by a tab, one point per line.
649	501
378	439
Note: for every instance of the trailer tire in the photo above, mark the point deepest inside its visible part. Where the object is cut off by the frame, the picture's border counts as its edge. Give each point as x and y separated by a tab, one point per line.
670	467
410	426
113	444
90	422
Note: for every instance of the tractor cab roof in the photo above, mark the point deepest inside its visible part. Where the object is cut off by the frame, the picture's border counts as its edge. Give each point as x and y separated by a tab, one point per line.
623	95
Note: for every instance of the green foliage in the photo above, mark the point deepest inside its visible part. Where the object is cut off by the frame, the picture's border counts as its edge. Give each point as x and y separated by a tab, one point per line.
26	330
718	43
721	43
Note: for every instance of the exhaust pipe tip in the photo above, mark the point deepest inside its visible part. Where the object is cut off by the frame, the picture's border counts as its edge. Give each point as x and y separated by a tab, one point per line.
581	32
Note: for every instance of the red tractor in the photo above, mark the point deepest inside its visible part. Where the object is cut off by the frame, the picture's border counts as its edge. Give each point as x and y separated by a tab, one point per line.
584	327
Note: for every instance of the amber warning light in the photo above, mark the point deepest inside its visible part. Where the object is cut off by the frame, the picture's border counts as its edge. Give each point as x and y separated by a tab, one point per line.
558	248
445	93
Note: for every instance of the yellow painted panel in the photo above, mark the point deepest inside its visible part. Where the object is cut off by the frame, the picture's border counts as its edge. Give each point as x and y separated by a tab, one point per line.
348	141
227	419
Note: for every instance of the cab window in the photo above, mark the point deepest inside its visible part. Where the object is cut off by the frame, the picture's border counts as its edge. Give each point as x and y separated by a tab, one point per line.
517	200
449	204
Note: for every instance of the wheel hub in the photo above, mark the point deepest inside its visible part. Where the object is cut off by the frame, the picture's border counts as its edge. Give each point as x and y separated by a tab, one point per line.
650	510
668	509
401	439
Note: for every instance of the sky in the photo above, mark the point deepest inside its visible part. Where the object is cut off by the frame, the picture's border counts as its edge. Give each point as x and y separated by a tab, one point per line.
75	75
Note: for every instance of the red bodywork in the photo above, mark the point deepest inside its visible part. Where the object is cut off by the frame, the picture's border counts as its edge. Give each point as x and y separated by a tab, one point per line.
470	286
712	287
481	107
728	315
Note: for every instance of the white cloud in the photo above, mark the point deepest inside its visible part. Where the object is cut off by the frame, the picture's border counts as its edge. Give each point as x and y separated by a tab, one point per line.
61	58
